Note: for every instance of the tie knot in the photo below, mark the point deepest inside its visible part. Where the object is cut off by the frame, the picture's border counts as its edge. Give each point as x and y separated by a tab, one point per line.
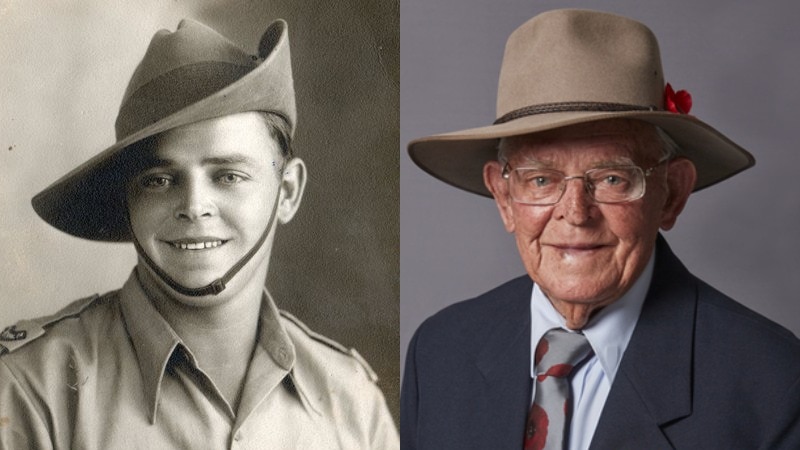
558	352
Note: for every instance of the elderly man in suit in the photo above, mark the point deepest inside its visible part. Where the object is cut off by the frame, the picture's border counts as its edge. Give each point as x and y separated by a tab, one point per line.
608	342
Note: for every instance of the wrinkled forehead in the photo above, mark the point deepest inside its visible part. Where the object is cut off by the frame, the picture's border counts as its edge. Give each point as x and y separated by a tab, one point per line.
623	140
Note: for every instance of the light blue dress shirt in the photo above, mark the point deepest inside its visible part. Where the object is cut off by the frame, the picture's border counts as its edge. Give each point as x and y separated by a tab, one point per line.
608	332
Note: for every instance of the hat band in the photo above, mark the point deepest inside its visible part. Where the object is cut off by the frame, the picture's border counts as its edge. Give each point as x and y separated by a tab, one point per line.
175	90
545	108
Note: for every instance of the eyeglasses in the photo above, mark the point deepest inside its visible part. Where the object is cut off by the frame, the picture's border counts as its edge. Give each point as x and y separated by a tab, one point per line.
543	187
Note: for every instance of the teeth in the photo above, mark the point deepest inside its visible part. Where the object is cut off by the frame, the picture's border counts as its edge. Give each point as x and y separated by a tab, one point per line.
197	245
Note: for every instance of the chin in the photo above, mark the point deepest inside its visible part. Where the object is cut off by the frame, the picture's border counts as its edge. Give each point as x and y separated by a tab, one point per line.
187	278
195	282
582	290
586	300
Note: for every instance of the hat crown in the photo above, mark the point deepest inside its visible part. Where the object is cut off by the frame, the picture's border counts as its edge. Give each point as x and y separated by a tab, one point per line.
580	56
191	43
183	67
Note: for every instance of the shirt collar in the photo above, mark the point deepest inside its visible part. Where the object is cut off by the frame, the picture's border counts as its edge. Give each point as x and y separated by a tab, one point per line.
608	332
155	341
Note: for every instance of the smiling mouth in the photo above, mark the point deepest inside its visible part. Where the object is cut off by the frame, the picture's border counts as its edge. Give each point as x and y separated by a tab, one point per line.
196	245
578	248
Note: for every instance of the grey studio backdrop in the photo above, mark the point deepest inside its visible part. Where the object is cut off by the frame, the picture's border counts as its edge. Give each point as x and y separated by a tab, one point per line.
740	62
64	65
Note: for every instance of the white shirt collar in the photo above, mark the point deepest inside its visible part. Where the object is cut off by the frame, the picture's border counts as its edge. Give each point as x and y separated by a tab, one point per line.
608	332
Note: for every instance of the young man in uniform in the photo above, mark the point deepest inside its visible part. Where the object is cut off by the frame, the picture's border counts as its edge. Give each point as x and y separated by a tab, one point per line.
192	351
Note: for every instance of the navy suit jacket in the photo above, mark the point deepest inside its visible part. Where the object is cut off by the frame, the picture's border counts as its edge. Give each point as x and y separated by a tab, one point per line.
700	372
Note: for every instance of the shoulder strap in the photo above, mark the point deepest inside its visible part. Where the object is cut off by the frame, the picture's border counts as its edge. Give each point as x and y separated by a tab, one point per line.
332	344
25	331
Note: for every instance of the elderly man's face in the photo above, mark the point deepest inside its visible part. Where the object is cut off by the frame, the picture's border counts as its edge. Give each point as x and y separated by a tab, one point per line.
206	196
578	251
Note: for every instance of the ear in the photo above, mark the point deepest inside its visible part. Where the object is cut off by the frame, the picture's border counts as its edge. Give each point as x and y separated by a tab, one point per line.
681	177
498	186
293	184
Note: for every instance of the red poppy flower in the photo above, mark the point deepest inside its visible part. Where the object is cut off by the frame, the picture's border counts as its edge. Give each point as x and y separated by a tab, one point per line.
678	102
536	434
556	370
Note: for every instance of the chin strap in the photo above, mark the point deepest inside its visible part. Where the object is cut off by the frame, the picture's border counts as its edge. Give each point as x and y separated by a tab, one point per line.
217	285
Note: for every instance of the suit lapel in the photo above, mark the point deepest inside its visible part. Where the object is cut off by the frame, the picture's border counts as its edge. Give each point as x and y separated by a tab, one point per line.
652	388
503	362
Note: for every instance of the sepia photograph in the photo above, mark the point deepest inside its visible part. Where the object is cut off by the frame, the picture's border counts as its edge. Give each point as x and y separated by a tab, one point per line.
200	224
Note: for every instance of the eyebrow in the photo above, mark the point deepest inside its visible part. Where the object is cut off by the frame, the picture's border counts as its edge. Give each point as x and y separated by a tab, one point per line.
527	161
211	161
618	161
232	159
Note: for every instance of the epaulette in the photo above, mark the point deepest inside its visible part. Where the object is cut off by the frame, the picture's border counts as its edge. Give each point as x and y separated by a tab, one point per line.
332	344
25	331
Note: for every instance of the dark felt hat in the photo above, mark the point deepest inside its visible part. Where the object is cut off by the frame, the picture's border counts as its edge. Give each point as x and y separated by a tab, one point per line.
186	76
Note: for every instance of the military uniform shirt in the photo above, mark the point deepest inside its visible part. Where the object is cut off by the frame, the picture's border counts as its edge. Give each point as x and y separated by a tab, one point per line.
108	372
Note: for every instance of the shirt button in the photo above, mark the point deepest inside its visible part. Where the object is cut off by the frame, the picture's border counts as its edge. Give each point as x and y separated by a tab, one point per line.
283	355
238	436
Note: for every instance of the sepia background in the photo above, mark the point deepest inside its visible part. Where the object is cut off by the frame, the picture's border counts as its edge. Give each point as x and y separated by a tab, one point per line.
740	62
64	65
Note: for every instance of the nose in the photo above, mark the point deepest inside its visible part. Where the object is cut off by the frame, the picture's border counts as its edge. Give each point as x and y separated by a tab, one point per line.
576	205
195	201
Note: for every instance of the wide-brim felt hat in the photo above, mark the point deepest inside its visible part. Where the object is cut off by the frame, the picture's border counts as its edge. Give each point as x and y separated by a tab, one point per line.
567	67
186	76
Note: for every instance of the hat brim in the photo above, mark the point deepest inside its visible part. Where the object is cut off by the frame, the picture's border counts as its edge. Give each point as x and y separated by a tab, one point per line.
90	201
457	158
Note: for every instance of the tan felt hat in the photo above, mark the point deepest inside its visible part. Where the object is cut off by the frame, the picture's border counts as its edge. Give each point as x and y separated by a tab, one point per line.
566	67
186	76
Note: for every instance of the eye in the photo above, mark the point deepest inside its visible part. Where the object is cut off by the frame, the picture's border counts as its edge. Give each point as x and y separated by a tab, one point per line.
541	181
537	179
156	181
230	178
615	178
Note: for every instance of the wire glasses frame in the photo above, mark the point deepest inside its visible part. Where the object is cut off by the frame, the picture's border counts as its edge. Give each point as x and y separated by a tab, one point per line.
609	185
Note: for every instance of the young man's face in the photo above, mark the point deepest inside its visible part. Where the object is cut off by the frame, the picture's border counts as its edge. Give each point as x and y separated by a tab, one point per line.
206	196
